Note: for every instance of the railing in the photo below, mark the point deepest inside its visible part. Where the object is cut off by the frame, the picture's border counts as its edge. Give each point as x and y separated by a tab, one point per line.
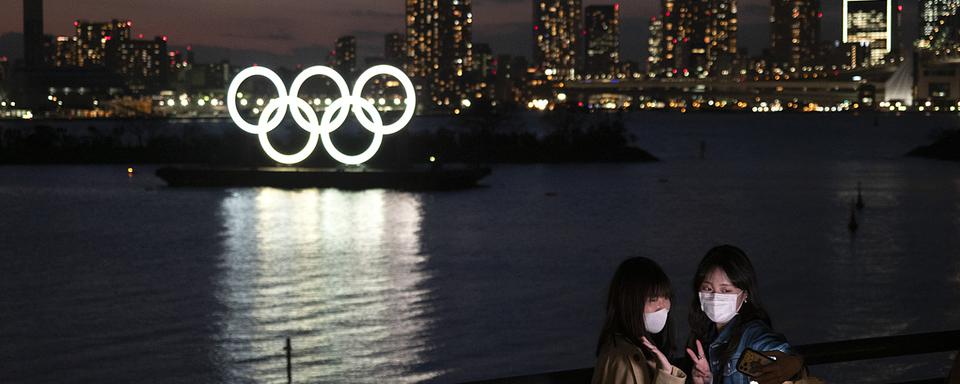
814	354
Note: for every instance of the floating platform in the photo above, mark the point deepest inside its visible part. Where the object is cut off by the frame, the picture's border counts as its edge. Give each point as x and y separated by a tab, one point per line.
426	177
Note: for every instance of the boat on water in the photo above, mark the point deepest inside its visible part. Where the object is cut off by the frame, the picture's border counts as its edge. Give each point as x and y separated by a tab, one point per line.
425	177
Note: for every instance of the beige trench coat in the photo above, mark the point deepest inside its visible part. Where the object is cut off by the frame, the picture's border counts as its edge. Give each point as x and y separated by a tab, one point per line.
620	362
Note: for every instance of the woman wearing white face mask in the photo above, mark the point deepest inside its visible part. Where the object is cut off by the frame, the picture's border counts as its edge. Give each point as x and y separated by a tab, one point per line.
637	328
727	317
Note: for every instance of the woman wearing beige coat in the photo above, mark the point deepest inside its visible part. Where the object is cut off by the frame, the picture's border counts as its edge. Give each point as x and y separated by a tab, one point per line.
637	328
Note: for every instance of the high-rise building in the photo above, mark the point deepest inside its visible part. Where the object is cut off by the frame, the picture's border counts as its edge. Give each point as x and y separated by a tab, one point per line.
33	33
483	59
931	11
97	41
142	63
896	51
844	56
693	30
439	50
670	62
345	55
556	37
870	23
4	71
511	78
699	37
602	43
482	78
456	51
721	37
946	35
655	46
423	46
794	32
63	52
178	61
393	49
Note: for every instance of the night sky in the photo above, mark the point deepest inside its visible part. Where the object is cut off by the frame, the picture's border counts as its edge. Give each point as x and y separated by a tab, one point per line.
287	31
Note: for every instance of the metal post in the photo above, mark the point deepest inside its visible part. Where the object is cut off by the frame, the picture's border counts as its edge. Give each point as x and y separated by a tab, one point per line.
289	367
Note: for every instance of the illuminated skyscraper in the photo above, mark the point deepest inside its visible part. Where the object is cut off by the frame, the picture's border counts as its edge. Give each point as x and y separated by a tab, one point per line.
556	37
692	29
931	11
143	63
33	33
699	37
96	41
456	51
602	34
655	47
482	78
794	32
483	60
946	35
64	52
345	55
439	49
870	23
670	62
423	46
721	36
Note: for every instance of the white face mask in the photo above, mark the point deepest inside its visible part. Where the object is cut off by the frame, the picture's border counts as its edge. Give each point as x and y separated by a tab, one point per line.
719	307
654	322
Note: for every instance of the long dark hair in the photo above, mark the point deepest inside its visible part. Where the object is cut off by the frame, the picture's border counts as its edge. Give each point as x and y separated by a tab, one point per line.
635	281
735	263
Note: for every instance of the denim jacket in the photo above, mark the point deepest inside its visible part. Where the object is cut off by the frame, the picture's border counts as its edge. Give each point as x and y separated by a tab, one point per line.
756	335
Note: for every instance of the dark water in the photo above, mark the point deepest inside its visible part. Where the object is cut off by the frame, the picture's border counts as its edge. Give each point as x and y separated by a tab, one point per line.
109	278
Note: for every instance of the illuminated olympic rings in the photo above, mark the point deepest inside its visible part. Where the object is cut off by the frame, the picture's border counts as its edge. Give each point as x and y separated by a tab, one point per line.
332	117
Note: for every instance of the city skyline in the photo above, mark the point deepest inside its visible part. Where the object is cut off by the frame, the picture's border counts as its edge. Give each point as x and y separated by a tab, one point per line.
504	24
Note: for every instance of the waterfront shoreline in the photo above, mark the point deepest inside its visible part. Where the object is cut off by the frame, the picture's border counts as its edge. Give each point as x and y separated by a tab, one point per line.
485	141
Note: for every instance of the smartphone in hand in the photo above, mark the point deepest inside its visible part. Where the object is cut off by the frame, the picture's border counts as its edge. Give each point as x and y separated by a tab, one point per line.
751	361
